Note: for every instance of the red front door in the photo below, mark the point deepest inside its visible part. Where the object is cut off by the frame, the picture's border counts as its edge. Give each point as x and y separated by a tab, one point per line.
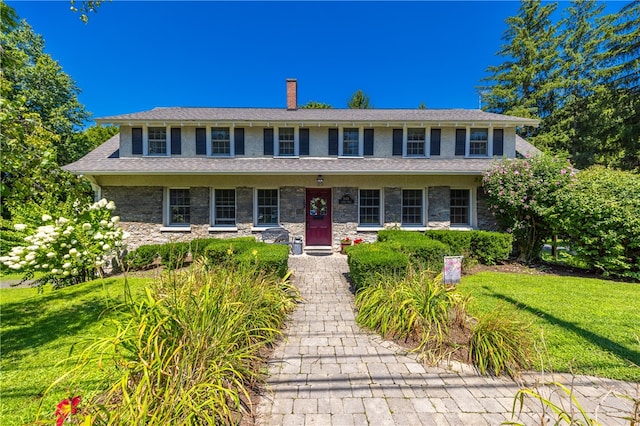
318	217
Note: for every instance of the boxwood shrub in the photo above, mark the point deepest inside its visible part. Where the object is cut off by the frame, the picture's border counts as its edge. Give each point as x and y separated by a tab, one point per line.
425	253
491	247
368	261
459	242
224	250
271	258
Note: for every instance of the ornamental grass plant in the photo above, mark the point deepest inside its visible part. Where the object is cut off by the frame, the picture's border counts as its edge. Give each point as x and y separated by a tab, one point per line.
422	312
189	351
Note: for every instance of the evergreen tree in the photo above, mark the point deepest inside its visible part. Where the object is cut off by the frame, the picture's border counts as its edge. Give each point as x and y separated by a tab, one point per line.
523	84
620	138
359	100
569	129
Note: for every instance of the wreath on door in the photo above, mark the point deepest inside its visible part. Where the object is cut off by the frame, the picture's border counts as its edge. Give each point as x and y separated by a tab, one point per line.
318	206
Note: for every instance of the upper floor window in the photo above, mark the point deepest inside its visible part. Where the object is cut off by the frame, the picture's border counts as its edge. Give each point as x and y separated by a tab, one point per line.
220	141
416	142
412	207
267	207
369	207
286	141
157	140
224	207
460	206
178	207
479	142
351	142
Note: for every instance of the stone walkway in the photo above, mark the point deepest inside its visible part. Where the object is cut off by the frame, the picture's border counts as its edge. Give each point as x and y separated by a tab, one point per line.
329	372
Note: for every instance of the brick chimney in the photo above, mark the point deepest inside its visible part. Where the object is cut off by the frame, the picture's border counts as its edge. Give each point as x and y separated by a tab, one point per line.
292	94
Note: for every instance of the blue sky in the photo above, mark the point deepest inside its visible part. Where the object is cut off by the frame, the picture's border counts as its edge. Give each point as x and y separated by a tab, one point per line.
133	56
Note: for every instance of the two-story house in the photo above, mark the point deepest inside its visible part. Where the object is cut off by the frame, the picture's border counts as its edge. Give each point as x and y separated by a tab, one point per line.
323	174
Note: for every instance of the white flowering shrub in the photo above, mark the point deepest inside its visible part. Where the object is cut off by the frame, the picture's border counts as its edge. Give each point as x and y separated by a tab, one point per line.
69	250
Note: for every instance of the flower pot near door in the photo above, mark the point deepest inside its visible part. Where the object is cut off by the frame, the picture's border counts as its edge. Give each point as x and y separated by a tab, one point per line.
344	244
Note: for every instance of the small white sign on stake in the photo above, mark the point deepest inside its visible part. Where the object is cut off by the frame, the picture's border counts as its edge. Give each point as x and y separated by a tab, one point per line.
452	269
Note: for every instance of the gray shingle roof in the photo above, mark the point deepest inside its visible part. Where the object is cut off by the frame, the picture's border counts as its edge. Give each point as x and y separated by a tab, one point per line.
105	160
182	114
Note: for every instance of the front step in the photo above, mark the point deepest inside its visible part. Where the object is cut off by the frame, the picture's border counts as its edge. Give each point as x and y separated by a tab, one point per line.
319	250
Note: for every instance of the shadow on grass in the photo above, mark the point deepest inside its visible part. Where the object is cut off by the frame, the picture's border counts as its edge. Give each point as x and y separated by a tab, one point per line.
37	321
600	341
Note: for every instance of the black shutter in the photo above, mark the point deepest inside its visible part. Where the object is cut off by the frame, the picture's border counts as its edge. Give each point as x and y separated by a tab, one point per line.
136	141
201	141
333	141
268	141
498	142
238	137
461	141
368	141
304	142
397	142
176	141
435	142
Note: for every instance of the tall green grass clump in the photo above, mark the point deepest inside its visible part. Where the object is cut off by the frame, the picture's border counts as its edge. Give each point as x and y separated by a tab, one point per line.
189	351
417	307
499	342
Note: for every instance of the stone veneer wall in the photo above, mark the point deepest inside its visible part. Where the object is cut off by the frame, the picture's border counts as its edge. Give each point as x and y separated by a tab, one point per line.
141	212
486	219
439	205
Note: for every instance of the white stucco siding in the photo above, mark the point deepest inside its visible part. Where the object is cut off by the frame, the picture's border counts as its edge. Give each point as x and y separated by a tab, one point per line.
125	141
318	141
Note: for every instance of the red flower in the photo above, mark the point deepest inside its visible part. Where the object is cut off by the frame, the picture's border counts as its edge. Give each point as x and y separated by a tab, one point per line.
357	241
65	408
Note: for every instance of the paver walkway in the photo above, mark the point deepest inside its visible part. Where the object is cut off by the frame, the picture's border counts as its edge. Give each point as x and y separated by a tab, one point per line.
329	372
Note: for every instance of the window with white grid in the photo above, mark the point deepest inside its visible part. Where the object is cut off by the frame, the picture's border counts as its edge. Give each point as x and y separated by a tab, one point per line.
479	142
224	207
369	207
179	207
286	141
267	207
415	142
412	207
460	203
220	141
157	140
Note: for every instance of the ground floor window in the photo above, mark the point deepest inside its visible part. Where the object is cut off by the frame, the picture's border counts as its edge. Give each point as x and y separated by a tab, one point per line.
179	207
267	207
369	207
412	207
460	203
224	207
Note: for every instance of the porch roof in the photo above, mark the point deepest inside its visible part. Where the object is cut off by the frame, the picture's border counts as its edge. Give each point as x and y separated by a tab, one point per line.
105	160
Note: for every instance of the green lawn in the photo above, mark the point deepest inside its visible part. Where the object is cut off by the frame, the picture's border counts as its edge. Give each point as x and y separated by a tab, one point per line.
587	325
38	331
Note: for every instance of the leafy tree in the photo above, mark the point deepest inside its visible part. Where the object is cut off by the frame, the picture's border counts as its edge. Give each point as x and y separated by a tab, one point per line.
79	144
315	105
522	194
8	18
34	75
86	7
601	218
39	111
359	100
523	84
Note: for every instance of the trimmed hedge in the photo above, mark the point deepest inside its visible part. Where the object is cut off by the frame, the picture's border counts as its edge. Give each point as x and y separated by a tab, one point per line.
491	247
459	242
173	255
367	261
222	250
424	253
396	250
271	258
